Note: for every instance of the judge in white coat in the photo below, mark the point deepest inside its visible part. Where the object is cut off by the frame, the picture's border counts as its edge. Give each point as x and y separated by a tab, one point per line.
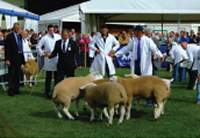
103	46
191	51
26	49
178	54
48	41
198	85
143	49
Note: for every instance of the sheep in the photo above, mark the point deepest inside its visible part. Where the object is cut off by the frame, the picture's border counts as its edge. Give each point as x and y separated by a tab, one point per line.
107	94
145	87
67	91
30	69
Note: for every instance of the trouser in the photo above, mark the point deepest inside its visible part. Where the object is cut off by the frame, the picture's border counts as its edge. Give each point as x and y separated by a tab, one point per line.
40	61
198	92
137	68
48	81
83	59
192	79
14	73
177	70
108	71
61	75
155	71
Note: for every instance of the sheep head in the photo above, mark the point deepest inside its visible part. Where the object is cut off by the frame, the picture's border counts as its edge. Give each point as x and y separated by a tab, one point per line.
96	76
84	88
131	76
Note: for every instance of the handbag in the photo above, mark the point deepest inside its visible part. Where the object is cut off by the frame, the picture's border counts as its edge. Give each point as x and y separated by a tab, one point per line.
184	64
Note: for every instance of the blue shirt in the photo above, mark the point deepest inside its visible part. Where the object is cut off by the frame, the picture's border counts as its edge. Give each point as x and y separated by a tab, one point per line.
18	43
182	39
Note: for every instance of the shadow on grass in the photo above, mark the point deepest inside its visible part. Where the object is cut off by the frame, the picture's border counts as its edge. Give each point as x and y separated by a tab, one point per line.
180	100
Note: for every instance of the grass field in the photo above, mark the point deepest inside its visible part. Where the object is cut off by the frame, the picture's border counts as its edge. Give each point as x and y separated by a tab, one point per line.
24	116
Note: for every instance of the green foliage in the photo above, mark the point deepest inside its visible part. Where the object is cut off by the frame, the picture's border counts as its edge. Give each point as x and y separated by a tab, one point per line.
34	116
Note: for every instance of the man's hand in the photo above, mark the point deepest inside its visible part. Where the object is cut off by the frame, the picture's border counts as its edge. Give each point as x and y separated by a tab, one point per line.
110	53
155	57
98	51
79	67
8	63
162	59
199	78
47	54
113	56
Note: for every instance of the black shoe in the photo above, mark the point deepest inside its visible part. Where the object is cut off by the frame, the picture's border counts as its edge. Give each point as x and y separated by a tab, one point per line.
17	92
48	95
11	93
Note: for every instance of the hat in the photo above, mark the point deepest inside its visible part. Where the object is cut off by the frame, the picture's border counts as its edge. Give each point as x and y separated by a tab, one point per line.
138	28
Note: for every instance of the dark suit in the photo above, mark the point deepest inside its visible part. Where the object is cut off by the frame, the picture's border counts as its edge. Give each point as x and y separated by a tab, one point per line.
16	60
156	63
66	63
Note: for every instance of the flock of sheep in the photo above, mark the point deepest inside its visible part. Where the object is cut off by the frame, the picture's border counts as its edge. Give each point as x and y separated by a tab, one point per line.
102	93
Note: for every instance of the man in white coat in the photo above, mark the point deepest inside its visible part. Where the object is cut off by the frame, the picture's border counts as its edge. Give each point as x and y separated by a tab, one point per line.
103	45
48	41
191	51
143	49
178	55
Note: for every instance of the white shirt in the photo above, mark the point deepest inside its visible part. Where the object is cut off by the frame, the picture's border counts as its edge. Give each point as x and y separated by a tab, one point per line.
26	49
192	55
177	53
66	44
49	43
148	48
198	61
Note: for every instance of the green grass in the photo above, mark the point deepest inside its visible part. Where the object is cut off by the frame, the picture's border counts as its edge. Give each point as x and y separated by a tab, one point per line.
24	116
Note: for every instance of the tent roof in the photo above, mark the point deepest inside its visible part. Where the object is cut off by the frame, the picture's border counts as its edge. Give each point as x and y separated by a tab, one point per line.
66	14
9	9
142	6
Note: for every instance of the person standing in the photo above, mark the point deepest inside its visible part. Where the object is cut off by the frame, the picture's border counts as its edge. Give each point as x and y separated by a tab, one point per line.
48	41
143	50
191	51
14	59
103	45
156	61
66	50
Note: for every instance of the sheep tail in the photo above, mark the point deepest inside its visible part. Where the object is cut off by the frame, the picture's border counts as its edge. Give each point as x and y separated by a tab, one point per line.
122	97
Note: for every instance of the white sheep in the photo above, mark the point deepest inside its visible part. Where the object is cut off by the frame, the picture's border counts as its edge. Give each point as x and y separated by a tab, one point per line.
107	94
30	69
67	91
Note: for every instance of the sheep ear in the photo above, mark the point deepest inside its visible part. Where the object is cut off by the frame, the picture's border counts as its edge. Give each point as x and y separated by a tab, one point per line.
126	75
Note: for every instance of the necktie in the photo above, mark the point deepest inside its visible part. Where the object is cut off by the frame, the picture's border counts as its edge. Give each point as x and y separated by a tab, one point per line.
64	46
19	43
138	51
52	36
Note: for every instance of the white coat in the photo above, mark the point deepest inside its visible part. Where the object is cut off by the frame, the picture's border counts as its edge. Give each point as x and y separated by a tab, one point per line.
192	55
99	63
177	53
49	43
148	48
26	50
91	51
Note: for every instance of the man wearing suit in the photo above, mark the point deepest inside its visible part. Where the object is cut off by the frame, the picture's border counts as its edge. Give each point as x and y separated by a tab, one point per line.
14	59
66	50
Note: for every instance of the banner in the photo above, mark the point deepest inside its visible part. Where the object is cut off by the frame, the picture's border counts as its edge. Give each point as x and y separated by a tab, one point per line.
124	60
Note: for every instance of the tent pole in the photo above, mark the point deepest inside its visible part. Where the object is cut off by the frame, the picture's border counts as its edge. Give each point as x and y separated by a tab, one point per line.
178	22
83	27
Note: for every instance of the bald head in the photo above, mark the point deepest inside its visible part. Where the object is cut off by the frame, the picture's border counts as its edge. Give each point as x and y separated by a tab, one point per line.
184	45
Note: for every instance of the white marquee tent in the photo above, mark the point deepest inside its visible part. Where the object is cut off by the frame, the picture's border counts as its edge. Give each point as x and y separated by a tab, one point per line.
94	13
12	12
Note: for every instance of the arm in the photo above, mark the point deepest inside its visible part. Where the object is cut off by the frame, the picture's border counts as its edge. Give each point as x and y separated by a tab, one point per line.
39	47
154	49
190	56
92	44
171	52
55	51
125	50
115	43
198	64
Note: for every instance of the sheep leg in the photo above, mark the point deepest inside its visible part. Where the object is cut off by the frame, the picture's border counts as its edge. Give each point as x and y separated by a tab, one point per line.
65	109
85	106
77	106
195	85
122	115
92	114
116	109
101	114
111	116
158	110
138	105
36	79
128	113
162	113
105	113
57	111
31	78
25	80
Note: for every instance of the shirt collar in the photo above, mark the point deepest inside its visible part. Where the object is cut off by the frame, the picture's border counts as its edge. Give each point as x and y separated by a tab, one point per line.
15	33
103	37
